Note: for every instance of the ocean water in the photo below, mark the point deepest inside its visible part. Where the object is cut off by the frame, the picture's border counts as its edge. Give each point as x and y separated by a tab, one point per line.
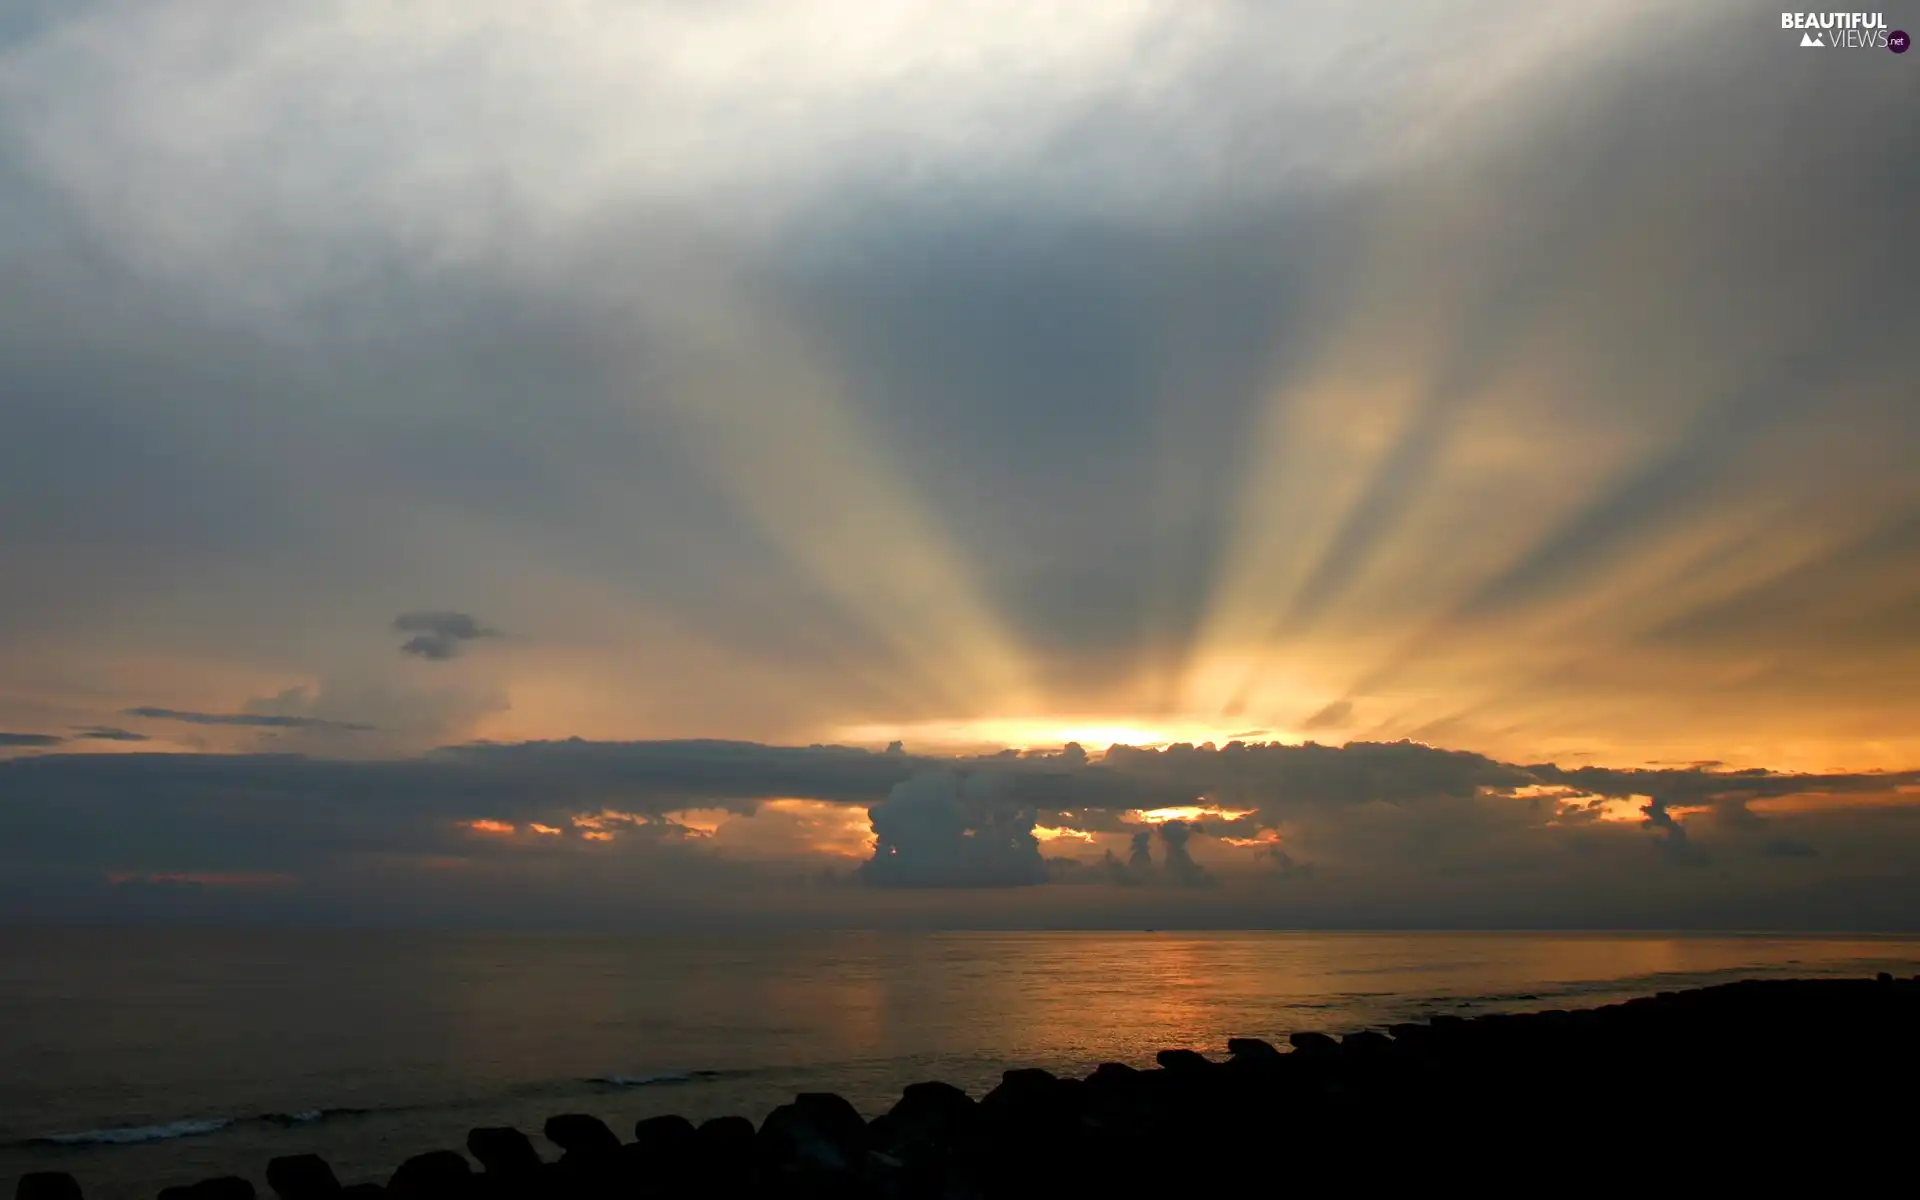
138	1059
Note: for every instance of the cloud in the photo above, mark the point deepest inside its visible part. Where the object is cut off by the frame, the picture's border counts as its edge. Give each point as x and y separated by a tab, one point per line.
1137	868
1178	865
107	733
942	829
29	739
1467	469
1365	835
246	720
439	636
1442	365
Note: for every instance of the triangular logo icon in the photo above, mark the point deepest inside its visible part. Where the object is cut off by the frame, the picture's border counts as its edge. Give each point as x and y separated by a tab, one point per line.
1812	39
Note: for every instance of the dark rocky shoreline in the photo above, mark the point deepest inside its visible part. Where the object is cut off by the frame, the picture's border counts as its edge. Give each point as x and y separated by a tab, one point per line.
1779	1085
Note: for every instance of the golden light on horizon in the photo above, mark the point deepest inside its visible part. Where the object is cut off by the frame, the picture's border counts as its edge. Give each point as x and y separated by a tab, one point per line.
823	827
492	827
1049	833
1186	812
1266	837
700	822
1094	734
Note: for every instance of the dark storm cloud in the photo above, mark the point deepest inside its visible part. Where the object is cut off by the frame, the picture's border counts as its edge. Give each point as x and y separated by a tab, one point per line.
439	636
941	829
1178	864
29	739
247	720
1134	870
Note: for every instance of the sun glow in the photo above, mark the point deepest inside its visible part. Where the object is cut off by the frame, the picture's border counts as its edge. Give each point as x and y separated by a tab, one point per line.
1049	833
700	822
841	830
1050	733
1187	812
1266	837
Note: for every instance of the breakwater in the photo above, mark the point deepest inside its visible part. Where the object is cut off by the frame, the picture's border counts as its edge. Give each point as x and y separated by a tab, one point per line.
1775	1083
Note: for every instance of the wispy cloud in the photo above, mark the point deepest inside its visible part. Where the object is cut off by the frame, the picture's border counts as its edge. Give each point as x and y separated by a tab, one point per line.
30	740
246	720
107	733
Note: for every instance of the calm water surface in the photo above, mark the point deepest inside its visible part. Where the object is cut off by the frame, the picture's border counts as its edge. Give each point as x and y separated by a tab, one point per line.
157	1058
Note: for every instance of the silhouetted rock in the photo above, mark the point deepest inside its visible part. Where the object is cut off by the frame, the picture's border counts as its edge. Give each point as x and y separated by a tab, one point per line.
302	1177
1251	1049
1114	1074
431	1176
818	1131
725	1135
504	1151
925	1128
670	1135
931	1110
725	1157
578	1133
362	1191
662	1153
1183	1060
1025	1080
47	1185
1312	1043
1467	1102
1366	1041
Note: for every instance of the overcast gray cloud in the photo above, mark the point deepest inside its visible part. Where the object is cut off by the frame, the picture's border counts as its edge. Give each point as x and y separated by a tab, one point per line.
1176	396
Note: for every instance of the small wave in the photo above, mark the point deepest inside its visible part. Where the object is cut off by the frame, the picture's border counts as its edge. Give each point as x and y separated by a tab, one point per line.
132	1135
308	1116
665	1077
127	1135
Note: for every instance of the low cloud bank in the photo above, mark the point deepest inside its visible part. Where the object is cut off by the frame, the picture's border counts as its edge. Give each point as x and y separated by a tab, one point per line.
1365	834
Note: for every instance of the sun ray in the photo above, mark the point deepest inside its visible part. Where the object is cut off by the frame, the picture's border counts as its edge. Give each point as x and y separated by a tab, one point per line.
768	421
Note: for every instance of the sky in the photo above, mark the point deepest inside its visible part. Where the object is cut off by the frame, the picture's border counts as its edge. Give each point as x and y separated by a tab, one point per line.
982	464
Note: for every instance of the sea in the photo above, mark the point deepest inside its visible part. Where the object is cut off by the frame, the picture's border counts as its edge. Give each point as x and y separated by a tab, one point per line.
142	1059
